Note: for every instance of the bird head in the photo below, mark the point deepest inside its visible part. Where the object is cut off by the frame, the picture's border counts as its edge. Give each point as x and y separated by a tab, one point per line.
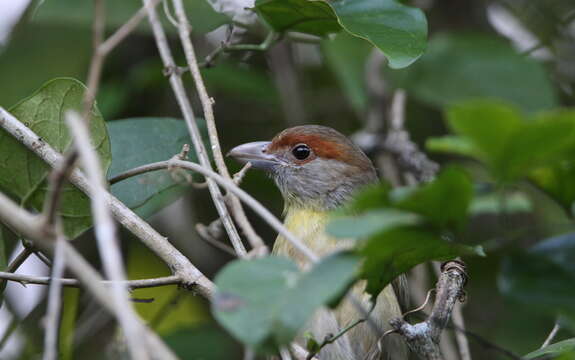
313	166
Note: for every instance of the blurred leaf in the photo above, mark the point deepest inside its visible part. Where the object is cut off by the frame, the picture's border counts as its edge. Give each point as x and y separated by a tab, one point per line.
23	174
368	223
556	349
371	197
510	145
492	203
71	301
458	67
557	177
81	14
452	144
311	17
202	343
393	252
543	276
399	31
140	141
346	55
261	300
173	308
443	202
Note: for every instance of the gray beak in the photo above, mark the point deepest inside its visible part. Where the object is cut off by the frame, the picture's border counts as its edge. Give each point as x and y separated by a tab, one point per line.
255	153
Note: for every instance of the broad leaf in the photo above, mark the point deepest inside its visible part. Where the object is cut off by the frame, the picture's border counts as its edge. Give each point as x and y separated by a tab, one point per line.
311	17
205	342
556	349
543	277
140	141
509	144
458	67
23	174
494	204
399	31
371	222
393	252
260	301
443	202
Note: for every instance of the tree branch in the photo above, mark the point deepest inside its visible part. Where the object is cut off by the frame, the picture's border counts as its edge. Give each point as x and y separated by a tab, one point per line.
423	338
187	111
180	265
207	104
54	312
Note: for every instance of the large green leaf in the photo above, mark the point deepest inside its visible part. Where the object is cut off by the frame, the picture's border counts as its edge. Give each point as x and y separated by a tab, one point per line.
205	342
23	174
556	349
311	17
510	144
399	31
431	202
460	66
260	301
369	223
543	276
140	141
391	253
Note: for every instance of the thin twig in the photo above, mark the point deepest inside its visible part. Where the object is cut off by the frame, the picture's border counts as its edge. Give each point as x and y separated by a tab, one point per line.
188	114
14	321
130	284
54	312
105	231
180	265
207	105
551	336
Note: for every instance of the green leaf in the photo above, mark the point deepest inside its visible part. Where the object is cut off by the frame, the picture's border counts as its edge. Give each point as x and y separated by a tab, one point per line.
443	202
23	174
3	260
206	342
557	177
260	301
459	66
509	144
371	222
492	203
399	31
394	252
556	349
310	17
371	197
452	145
139	141
543	276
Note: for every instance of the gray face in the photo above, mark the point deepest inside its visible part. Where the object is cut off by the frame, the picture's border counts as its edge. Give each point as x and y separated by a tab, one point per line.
314	167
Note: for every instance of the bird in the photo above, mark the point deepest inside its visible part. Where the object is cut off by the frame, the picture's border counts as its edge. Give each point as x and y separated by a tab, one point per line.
317	170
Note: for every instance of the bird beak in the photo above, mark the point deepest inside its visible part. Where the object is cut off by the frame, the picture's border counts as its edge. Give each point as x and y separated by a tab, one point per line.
255	153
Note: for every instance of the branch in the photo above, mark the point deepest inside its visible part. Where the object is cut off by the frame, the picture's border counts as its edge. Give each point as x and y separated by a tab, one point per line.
180	265
54	312
187	111
207	104
423	337
130	284
105	231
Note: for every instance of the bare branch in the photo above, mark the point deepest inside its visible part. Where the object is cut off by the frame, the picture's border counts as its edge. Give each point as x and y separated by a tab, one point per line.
551	335
180	265
423	338
54	312
105	230
207	105
187	111
130	284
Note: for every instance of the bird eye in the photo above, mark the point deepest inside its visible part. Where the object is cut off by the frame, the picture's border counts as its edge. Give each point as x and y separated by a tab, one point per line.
301	151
